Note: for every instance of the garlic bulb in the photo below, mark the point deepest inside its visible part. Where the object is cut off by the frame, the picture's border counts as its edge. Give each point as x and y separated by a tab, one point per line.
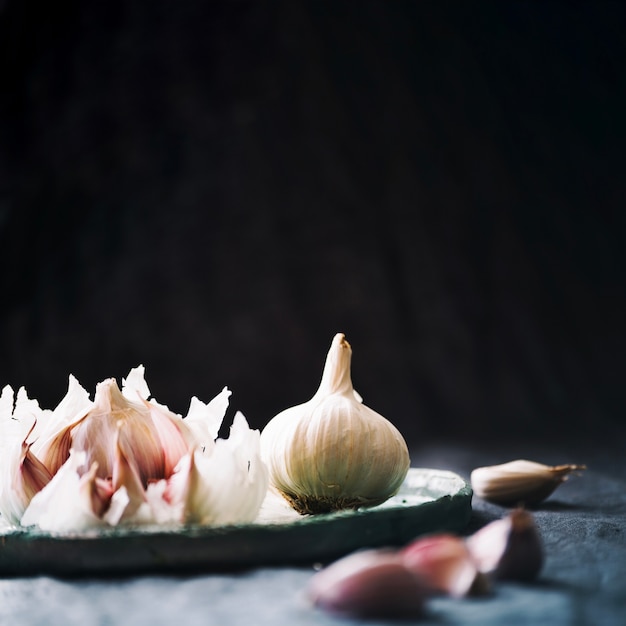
125	459
519	481
333	452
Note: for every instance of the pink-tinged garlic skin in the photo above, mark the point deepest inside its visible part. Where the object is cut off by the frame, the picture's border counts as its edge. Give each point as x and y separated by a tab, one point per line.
372	583
98	491
509	548
445	565
33	475
115	425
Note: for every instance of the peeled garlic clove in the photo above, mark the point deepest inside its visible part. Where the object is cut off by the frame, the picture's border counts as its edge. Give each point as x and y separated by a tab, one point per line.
509	548
445	565
519	482
371	583
333	452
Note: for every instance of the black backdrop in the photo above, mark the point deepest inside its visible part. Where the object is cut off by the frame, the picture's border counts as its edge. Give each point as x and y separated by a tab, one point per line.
213	189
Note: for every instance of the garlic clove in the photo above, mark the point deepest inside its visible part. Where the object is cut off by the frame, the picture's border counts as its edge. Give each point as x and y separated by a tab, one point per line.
22	474
52	438
371	583
175	501
519	482
63	505
126	475
140	440
333	452
96	490
119	459
175	438
509	548
445	565
56	450
33	475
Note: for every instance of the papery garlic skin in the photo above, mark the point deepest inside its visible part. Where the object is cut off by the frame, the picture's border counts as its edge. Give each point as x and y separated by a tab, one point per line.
49	424
333	452
226	486
519	482
18	416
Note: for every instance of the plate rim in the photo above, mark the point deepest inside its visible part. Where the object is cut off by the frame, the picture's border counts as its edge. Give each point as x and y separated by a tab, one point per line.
28	551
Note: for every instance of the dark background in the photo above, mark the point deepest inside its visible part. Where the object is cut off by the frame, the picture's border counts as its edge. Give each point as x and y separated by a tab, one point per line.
214	189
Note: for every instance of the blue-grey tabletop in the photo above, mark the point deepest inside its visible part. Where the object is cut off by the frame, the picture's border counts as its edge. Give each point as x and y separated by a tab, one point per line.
583	581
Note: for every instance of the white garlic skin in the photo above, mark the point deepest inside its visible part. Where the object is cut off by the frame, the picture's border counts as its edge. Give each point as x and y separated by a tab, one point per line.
333	452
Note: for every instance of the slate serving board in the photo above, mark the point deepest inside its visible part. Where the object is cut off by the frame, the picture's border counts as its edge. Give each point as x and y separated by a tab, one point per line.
429	501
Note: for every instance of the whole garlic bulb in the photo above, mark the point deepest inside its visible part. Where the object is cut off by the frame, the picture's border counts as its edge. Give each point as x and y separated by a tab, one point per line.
333	452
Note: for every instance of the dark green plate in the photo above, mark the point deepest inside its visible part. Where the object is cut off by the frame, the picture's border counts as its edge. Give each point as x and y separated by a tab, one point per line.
429	501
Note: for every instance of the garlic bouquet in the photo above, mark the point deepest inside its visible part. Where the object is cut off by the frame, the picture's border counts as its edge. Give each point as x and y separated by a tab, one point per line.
333	452
125	459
